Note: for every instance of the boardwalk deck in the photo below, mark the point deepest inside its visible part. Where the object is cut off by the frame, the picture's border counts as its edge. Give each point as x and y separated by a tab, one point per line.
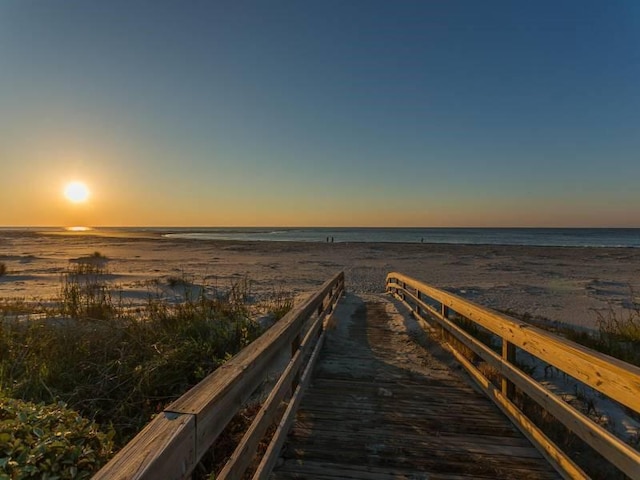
382	407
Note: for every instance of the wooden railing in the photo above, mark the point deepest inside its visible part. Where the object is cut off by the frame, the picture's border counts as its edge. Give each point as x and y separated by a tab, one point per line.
173	443
611	377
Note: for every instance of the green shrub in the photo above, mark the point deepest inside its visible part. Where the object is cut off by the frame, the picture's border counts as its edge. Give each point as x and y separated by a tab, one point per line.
49	442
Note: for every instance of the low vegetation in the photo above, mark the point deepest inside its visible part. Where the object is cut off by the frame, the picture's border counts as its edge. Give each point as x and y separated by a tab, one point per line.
115	365
49	441
617	333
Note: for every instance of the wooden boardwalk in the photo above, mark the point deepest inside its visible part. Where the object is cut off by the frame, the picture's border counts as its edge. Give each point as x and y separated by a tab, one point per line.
386	402
382	407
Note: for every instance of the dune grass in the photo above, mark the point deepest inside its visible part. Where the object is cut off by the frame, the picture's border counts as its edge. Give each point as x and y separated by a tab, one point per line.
617	332
117	365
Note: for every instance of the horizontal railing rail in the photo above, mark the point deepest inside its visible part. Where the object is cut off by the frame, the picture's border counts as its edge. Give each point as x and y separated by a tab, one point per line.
172	444
609	376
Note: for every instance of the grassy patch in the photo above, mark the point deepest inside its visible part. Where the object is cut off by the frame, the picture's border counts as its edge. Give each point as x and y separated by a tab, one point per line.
278	304
617	334
116	365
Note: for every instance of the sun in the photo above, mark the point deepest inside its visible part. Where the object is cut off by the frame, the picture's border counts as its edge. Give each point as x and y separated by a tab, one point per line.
76	192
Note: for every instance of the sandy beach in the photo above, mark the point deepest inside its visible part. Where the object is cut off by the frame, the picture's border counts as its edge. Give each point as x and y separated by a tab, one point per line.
559	283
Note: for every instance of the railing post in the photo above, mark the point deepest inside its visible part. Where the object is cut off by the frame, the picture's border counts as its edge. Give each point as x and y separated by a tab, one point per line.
418	311
444	311
295	346
508	355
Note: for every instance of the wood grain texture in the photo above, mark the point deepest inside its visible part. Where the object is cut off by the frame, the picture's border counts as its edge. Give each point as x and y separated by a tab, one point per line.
615	450
165	448
611	447
611	376
371	414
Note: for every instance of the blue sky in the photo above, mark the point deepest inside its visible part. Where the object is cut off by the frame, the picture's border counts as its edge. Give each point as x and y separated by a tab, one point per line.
422	113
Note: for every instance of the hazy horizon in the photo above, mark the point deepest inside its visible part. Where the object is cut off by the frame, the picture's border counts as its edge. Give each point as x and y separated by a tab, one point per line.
379	114
310	227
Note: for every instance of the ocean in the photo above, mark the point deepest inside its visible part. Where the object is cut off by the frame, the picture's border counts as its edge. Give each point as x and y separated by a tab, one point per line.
560	237
545	237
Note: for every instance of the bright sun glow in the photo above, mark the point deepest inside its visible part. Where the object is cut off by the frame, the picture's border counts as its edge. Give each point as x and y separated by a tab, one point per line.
76	192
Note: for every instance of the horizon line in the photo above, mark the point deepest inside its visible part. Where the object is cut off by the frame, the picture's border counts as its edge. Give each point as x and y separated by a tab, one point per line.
66	227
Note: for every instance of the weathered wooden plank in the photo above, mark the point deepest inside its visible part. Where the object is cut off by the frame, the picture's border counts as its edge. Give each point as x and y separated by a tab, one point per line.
313	469
415	443
366	472
165	448
428	425
417	433
460	463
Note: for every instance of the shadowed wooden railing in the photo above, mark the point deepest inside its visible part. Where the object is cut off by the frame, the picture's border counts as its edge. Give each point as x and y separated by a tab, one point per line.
173	443
611	377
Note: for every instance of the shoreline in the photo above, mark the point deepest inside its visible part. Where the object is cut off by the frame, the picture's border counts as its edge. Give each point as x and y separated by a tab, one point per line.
481	236
564	284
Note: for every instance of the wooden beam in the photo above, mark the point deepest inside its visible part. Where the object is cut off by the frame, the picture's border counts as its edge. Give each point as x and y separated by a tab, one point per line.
509	356
611	447
615	450
165	448
608	375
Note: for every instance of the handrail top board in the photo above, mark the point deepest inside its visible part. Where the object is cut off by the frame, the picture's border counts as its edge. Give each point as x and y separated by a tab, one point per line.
609	375
215	386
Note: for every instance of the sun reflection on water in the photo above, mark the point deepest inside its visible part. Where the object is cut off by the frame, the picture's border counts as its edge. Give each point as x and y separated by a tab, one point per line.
78	229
